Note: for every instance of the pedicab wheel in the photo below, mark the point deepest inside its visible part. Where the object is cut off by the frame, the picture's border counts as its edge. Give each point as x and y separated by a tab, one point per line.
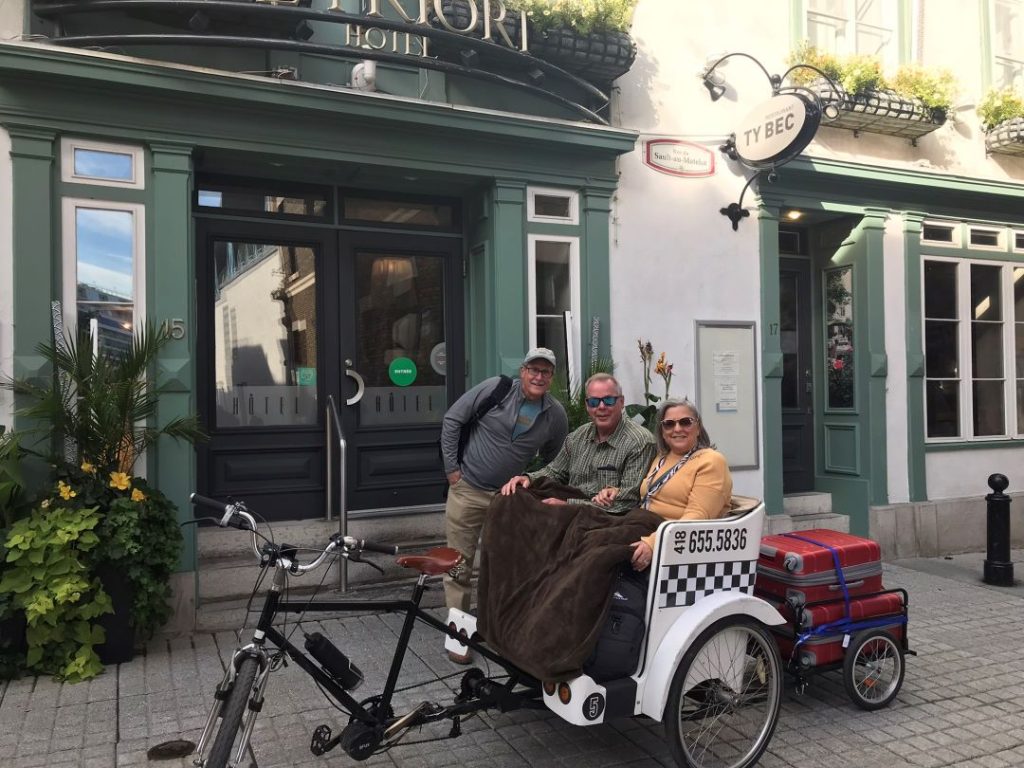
873	669
724	701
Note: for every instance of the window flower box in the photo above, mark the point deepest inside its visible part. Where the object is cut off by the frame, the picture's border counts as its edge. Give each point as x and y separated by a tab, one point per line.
1007	138
598	56
880	111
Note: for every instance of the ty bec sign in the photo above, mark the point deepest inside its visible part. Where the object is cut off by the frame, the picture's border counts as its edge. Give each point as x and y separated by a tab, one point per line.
777	130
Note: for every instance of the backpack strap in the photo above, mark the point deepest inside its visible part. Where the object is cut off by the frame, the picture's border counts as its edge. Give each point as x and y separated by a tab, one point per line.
495	396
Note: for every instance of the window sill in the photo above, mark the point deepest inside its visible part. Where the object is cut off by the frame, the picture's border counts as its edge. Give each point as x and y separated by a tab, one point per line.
972	445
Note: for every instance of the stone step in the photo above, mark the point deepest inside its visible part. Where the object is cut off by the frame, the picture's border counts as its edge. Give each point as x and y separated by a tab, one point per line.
786	523
810	503
227	567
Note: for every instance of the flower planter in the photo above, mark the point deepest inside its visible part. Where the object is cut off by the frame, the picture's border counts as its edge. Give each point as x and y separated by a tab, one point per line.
119	646
599	57
880	111
1007	138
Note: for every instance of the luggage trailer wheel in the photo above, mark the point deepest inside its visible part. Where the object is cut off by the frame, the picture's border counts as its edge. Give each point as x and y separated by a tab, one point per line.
873	669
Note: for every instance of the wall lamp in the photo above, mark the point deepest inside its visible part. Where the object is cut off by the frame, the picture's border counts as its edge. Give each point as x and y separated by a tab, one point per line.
716	85
791	134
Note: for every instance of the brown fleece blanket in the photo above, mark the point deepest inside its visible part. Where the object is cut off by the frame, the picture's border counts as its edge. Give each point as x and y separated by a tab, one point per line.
546	574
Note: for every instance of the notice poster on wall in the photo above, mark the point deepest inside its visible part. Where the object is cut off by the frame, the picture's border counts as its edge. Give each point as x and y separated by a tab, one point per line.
726	373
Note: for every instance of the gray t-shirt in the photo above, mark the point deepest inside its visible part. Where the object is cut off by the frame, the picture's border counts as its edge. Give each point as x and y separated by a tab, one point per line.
492	455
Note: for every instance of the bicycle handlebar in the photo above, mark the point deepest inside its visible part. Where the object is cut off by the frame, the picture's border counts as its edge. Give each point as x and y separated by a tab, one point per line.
235	515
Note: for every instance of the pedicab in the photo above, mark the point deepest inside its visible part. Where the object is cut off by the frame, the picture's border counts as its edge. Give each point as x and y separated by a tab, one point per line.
708	667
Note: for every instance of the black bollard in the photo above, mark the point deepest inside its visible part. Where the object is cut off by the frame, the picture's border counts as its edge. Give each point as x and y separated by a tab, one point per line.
998	568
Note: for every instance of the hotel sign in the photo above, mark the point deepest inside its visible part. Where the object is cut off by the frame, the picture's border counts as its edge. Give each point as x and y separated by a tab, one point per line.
679	158
492	15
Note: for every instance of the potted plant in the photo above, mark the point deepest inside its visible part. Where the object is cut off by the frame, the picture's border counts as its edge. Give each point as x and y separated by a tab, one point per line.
913	102
589	38
1002	118
15	504
95	414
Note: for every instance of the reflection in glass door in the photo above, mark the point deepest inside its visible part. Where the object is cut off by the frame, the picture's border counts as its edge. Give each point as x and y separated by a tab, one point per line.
265	335
400	344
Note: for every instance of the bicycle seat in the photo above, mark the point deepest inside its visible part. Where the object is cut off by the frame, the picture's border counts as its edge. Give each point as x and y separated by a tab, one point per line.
436	561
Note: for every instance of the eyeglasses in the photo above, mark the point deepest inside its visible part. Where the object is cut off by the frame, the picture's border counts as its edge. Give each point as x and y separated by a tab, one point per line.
686	421
609	400
544	373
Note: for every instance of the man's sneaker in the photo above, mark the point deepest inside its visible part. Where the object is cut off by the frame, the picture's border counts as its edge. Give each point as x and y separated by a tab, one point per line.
459	658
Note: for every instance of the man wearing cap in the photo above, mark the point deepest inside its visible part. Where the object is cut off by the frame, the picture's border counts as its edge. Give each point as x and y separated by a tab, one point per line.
505	439
605	459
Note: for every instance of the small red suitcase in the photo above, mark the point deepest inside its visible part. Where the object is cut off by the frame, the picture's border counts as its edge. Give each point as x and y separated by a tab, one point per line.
825	649
800	566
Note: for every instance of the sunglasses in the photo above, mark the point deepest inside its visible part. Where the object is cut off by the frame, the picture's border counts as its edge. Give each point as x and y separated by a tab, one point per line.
544	373
686	421
609	400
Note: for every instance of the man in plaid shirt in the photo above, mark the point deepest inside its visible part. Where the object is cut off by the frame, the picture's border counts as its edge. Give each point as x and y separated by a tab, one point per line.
608	453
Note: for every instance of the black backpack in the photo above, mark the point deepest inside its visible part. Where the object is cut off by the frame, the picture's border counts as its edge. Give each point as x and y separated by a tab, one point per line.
495	396
617	651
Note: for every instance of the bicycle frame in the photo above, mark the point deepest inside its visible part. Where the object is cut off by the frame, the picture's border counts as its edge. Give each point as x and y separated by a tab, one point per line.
266	637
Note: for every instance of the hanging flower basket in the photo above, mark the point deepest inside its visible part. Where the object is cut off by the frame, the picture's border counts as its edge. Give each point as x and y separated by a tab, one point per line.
599	57
1007	138
880	111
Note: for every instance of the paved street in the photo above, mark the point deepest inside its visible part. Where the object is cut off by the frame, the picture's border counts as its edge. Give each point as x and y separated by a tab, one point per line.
960	704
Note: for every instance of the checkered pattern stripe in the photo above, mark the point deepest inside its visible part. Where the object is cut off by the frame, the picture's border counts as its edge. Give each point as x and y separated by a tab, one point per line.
686	584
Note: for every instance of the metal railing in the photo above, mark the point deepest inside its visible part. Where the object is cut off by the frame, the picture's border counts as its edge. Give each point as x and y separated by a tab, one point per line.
333	422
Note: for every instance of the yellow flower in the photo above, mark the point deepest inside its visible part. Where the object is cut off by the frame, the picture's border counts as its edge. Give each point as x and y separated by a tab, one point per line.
659	367
120	480
138	495
65	490
88	468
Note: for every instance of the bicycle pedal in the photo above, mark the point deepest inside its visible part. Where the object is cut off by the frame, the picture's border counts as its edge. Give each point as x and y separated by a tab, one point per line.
321	741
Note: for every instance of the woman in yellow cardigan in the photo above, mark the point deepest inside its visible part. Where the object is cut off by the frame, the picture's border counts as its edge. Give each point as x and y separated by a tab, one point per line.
689	479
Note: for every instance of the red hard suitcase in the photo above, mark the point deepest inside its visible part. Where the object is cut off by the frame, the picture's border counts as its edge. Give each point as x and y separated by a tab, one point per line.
800	567
828	648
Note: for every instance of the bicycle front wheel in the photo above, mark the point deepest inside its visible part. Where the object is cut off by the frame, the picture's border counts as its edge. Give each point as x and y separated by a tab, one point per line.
724	701
231	714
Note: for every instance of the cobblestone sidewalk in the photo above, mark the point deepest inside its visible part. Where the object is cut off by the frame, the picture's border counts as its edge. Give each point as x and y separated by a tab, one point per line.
960	705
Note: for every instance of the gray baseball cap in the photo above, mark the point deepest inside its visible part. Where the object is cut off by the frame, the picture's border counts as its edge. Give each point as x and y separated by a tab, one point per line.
539	353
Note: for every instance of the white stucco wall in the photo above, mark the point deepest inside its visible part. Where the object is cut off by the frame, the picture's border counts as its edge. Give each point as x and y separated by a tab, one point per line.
6	276
896	355
955	474
674	258
12	15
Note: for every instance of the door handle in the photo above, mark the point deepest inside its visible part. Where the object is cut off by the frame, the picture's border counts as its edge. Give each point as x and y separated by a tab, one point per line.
360	384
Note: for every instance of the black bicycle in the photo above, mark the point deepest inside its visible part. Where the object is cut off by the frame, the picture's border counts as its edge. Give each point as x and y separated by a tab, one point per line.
372	725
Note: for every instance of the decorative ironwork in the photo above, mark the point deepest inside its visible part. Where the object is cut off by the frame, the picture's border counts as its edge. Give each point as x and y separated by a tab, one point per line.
879	111
1007	138
268	26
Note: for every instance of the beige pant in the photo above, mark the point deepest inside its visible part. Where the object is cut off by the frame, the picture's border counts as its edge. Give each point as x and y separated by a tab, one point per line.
464	515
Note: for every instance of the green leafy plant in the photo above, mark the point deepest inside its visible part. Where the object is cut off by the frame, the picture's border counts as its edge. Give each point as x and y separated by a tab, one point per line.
936	89
583	16
999	105
15	504
103	404
859	74
47	577
138	532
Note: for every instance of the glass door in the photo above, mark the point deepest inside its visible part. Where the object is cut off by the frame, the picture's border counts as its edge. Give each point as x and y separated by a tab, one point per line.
401	337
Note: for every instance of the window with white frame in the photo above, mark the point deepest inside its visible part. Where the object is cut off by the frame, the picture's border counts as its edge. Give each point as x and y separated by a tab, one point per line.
1007	36
553	286
974	348
854	26
103	245
102	164
553	206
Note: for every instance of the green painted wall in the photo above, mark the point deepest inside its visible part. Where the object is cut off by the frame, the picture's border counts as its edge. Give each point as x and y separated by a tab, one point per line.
771	356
